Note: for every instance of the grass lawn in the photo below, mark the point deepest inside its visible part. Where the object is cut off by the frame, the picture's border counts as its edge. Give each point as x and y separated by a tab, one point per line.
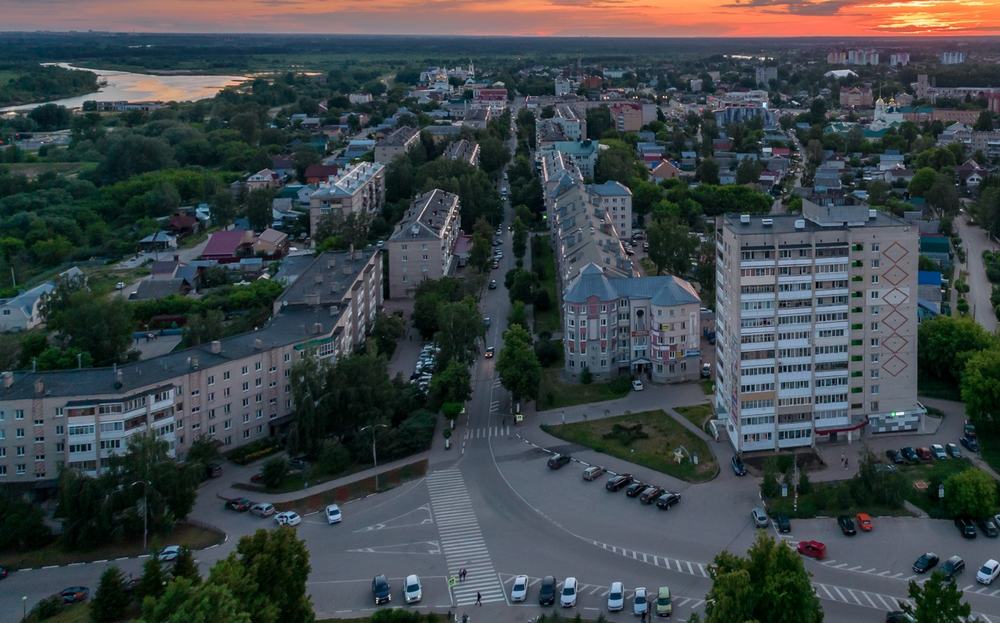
662	433
696	414
75	613
547	320
935	388
932	473
296	481
554	393
708	387
828	499
648	267
184	534
34	169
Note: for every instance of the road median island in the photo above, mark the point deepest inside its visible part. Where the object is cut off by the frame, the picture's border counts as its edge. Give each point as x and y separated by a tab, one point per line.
362	487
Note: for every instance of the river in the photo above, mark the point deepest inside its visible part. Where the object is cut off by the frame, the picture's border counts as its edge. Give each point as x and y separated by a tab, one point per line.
126	86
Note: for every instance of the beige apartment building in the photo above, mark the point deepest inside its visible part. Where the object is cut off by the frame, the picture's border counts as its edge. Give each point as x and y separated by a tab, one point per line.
359	188
816	326
396	143
235	390
423	244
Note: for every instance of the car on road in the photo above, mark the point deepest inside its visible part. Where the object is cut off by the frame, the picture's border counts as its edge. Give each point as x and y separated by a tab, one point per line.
898	616
759	517
864	522
894	456
925	454
616	597
969	429
925	563
593	472
494	264
846	525
938	451
333	514
490	351
412	592
557	461
637	385
988	527
970	443
519	589
706	370
493	284
287	518
782	522
240	505
169	553
651	494
380	590
617	483
738	467
668	499
74	594
547	591
635	489
567	598
812	549
910	455
262	509
953	450
952	567
989	572
965	527
640	601
487	321
664	605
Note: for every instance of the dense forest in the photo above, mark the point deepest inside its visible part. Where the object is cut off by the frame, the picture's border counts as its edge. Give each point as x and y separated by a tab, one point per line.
23	83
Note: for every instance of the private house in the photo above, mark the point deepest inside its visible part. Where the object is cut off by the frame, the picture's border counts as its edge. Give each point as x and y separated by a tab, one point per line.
665	170
23	311
283	166
318	173
226	247
262	180
183	224
158	241
271	243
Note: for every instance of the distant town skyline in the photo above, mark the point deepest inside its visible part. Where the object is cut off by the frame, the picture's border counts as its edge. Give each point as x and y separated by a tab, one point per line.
647	18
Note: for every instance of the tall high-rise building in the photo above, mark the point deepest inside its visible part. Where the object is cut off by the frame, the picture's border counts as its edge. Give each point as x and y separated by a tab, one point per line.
952	58
816	326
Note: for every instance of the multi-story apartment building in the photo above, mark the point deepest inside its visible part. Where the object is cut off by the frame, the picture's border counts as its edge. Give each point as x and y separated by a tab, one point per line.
615	199
397	143
573	126
359	188
563	86
952	58
764	75
235	390
627	116
463	150
856	97
583	154
816	326
646	326
899	59
423	244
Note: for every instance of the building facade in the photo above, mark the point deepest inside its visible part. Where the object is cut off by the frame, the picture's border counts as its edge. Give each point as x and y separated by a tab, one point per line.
235	390
423	244
359	188
816	326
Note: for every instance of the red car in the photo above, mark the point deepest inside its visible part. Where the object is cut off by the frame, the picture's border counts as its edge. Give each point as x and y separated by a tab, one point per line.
240	505
925	454
864	522
813	549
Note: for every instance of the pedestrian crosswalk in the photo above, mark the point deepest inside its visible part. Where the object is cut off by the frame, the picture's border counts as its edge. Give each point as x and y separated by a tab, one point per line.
485	432
461	539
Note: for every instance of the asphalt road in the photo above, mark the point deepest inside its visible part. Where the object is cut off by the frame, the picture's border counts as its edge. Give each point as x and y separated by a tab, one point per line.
976	241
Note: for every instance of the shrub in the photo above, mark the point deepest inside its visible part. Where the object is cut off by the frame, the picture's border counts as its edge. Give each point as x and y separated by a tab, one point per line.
274	471
548	351
586	377
626	434
46	609
620	384
333	457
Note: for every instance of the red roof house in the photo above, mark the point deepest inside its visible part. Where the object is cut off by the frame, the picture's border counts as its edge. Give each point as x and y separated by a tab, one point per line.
228	246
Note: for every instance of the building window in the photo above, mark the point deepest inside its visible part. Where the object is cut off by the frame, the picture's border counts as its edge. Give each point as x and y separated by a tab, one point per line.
211	381
875	389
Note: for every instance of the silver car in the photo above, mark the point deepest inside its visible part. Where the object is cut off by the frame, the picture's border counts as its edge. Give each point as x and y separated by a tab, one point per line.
519	590
759	517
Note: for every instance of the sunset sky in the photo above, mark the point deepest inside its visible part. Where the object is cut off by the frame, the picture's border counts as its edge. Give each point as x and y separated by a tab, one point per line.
662	18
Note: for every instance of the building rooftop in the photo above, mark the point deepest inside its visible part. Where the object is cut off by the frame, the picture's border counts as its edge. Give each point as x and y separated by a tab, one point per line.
349	181
399	137
664	290
428	216
833	217
610	188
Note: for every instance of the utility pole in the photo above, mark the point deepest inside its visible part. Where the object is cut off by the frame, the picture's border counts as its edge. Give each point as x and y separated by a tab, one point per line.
374	428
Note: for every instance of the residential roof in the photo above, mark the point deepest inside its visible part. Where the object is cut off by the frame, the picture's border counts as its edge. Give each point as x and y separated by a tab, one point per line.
428	216
610	188
321	171
272	236
928	278
159	236
664	290
156	289
399	136
225	243
350	180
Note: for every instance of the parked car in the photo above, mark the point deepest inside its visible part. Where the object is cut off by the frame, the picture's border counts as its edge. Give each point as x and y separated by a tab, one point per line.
783	523
616	597
3	572
706	370
668	499
651	494
262	509
925	454
617	483
640	602
864	522
298	464
567	598
490	351
738	467
965	527
664	605
213	470
169	553
759	517
988	527
846	525
989	572
938	451
925	563
910	455
74	594
287	518
952	567
557	461
547	591
519	589
969	430
240	505
894	456
412	592
971	443
637	385
635	489
257	478
493	284
898	616
333	514
593	472
380	590
812	549
953	450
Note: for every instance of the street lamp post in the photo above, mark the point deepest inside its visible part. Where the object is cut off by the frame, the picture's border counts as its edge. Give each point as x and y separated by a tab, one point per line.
145	510
374	428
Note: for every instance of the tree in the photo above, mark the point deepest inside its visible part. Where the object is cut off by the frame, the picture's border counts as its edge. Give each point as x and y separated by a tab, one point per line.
479	256
670	246
276	567
618	163
519	239
127	155
985	122
153	578
274	471
937	601
258	209
22	524
388	330
96	325
769	584
942	195
223	208
518	314
185	566
970	493
493	154
112	599
945	344
335	232
460	326
598	121
184	600
50	117
748	172
452	384
203	451
708	171
521	285
520	371
204	327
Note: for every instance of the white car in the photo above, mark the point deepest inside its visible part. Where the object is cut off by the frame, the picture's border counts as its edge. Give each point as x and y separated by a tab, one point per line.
287	518
169	553
411	590
640	605
616	597
568	597
333	514
262	509
519	590
989	572
637	385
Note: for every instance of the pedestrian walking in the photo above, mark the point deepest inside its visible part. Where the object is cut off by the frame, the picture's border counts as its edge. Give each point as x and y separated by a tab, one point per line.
479	598
845	462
